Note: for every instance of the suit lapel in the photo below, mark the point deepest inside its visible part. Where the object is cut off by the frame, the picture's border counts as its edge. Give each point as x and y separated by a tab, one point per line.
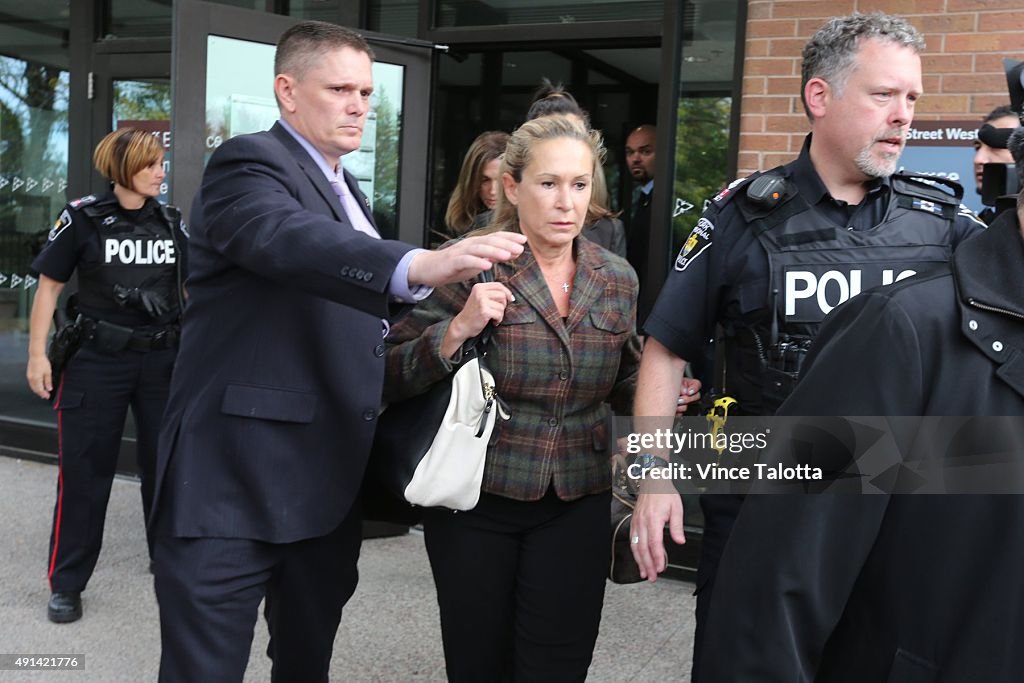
312	171
588	286
364	204
528	282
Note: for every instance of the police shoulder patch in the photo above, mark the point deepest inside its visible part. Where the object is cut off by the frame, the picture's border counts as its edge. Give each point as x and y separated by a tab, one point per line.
696	243
83	201
724	193
62	223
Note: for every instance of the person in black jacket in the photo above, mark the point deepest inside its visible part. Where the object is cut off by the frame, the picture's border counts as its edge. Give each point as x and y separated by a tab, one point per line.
129	253
894	587
774	253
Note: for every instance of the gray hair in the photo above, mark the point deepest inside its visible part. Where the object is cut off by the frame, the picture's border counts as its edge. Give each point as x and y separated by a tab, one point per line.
831	53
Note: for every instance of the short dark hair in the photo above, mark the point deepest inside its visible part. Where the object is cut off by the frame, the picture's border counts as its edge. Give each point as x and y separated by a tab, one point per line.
122	154
303	43
1000	112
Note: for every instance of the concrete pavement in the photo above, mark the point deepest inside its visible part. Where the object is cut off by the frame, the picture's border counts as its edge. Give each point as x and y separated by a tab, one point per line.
389	632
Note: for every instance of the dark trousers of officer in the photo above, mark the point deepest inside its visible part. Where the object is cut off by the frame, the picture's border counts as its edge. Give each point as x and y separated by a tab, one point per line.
92	402
209	591
520	586
720	512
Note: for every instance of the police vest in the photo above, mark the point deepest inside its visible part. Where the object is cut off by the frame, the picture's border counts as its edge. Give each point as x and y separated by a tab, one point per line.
141	255
815	266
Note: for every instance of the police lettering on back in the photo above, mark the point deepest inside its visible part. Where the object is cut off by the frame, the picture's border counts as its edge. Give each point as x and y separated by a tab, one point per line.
138	252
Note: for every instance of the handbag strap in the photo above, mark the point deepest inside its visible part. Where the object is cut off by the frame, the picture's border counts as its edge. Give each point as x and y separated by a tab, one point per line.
482	340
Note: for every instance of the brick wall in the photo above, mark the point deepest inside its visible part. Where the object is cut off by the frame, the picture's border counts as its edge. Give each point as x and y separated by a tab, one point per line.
963	68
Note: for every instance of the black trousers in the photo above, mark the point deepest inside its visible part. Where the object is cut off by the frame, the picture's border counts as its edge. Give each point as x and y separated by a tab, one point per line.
520	586
209	591
720	512
92	402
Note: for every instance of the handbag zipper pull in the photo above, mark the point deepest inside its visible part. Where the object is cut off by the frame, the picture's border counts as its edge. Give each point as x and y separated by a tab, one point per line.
483	417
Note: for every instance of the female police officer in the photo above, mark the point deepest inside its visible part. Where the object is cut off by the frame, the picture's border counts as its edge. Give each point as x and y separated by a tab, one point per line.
129	253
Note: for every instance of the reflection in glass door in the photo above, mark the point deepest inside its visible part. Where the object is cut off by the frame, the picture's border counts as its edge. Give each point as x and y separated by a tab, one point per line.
226	57
242	101
146	104
33	180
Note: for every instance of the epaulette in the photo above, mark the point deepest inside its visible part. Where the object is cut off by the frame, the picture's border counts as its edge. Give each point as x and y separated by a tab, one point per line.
727	193
935	188
83	201
932	194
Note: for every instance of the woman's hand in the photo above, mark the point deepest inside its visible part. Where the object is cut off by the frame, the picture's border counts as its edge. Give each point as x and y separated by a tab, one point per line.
486	303
40	376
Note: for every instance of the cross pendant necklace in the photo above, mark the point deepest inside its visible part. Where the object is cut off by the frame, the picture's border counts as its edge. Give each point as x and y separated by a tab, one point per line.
565	287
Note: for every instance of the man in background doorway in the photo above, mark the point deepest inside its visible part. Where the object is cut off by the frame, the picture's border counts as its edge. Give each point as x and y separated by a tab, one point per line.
640	163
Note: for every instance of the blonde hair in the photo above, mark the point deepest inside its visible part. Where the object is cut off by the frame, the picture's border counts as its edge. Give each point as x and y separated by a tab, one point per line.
518	154
123	153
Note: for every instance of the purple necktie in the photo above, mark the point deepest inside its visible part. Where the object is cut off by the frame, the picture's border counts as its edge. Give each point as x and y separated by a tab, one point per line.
351	205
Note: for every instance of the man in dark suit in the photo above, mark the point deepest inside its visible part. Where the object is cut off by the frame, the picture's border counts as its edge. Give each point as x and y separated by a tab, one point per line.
640	155
278	381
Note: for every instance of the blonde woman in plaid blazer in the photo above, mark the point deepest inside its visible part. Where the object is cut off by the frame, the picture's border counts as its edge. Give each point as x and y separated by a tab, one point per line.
520	578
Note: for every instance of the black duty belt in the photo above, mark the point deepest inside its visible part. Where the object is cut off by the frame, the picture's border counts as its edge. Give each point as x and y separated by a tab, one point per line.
110	337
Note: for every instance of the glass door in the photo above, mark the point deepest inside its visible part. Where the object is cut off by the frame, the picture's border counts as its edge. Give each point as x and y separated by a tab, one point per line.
223	86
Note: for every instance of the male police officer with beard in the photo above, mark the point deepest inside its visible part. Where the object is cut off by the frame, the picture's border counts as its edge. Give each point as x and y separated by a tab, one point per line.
774	253
129	254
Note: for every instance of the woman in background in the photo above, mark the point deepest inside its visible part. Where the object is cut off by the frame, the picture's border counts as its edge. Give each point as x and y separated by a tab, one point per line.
476	191
129	254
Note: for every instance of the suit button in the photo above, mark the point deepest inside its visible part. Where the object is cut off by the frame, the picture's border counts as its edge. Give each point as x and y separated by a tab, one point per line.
378	350
563	375
359	274
344	270
369	415
368	277
553	422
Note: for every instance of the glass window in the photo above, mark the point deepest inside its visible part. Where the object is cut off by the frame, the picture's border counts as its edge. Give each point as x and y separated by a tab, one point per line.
398	17
146	104
709	42
33	180
501	12
320	10
702	160
240	99
150	18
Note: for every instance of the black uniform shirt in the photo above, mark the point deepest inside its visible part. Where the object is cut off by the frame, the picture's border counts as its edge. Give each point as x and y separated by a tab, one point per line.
725	277
74	243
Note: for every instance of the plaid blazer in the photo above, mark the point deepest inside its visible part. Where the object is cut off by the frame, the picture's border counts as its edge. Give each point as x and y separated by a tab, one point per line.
555	375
